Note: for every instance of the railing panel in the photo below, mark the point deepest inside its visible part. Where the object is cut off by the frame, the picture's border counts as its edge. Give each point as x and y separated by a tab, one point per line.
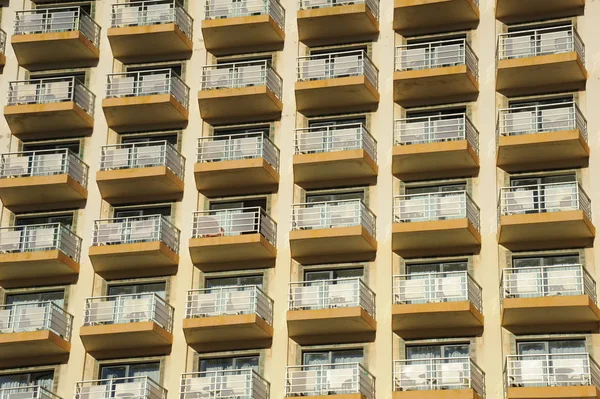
249	145
219	9
329	379
142	155
242	384
35	316
40	237
27	392
337	65
343	137
373	5
543	41
331	214
134	387
151	12
551	370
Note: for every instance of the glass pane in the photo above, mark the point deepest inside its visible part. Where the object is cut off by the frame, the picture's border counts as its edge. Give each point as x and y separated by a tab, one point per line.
41	378
570	346
158	210
527	262
54	296
456	350
349	356
67	220
151	370
318	275
312	358
225	363
170	138
156	288
423	352
248	362
311	198
221	282
347	273
436	189
454	267
532	348
108	372
251	280
423	268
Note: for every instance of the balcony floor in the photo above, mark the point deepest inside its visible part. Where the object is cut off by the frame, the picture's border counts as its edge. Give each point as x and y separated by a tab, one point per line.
238	177
345	94
438	394
47	121
567	392
433	16
28	269
341	244
32	348
36	193
244	104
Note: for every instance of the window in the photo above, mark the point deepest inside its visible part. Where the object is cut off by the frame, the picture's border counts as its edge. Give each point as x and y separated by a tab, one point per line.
79	76
333	357
316	275
25	220
341	121
74	146
263	58
86	6
144	288
551	347
547	260
437	351
176	68
438	267
230	363
57	297
440	113
151	370
339	196
334	50
139	138
164	210
45	379
241	132
242	203
234	281
443	188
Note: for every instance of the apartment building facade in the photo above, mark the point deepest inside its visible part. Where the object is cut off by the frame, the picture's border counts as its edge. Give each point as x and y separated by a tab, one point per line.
272	198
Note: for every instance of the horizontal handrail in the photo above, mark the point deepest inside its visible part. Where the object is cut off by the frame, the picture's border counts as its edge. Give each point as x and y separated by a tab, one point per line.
231	147
542	41
35	316
29	392
40	237
134	387
342	137
329	379
152	12
219	9
372	5
331	214
337	65
222	384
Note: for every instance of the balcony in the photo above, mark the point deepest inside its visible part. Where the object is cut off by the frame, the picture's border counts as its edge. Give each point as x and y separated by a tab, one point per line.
544	216
2	49
55	38
246	26
437	305
236	164
243	383
511	11
340	231
435	224
30	255
150	30
233	239
437	72
435	147
130	387
564	376
146	100
127	325
228	318
443	378
333	21
552	136
29	391
49	108
138	172
336	155
34	333
134	247
434	16
346	380
540	61
46	179
340	82
331	311
549	299
245	91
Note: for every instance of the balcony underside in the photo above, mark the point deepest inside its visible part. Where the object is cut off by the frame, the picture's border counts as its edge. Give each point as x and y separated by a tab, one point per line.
510	11
154	112
232	332
237	177
551	314
416	17
551	230
232	252
335	244
56	50
345	94
162	42
2	61
36	193
242	35
334	169
541	74
28	269
542	151
245	104
435	86
343	23
157	183
32	348
133	260
564	392
325	326
112	341
434	160
433	320
440	237
438	394
48	121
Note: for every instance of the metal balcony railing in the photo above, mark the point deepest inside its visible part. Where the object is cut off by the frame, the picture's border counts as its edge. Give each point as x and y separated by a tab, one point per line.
51	90
2	42
543	41
152	12
329	379
43	163
35	316
147	83
234	222
241	74
220	9
337	65
120	309
320	139
558	280
542	198
435	206
435	129
551	370
129	387
57	19
372	5
40	237
224	384
329	294
27	392
438	54
331	214
238	146
541	118
437	287
130	230
142	155
436	374
223	301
